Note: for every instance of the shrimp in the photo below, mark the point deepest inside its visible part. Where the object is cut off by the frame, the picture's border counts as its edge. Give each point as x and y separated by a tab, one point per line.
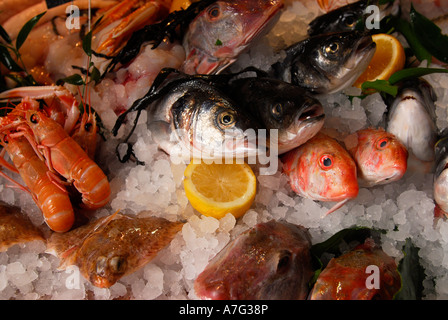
49	195
67	158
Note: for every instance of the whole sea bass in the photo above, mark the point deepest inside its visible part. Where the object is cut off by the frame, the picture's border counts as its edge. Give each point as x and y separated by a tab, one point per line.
271	261
326	63
113	246
223	30
277	105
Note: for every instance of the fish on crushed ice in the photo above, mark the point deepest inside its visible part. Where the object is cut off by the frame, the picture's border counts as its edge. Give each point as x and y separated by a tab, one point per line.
113	246
15	227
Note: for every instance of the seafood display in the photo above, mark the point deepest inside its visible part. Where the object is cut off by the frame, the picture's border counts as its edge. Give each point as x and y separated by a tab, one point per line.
270	261
104	105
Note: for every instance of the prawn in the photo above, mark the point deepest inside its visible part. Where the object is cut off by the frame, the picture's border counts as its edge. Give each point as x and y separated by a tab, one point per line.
50	196
68	158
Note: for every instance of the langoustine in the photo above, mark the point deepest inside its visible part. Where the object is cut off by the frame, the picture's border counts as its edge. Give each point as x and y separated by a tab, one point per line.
113	246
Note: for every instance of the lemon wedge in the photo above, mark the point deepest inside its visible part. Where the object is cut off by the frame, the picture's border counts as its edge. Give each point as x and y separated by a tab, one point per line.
389	57
217	189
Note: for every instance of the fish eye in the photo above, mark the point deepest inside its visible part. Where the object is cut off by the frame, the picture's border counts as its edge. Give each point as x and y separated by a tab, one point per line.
326	161
332	48
34	118
5	139
88	126
226	119
349	21
214	12
382	143
284	262
277	110
117	264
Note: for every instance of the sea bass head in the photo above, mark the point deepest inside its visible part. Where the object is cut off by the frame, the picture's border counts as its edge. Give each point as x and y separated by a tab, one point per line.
321	169
271	261
380	157
345	277
223	30
277	105
349	17
411	118
326	63
202	120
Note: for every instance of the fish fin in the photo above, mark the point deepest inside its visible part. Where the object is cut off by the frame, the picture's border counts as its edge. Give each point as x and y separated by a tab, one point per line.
338	205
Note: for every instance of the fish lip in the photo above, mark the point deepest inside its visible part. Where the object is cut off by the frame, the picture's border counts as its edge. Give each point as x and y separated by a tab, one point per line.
311	113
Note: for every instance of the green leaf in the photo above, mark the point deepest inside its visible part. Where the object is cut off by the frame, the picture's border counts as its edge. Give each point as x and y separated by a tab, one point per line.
218	42
7	60
380	86
26	29
95	75
87	44
430	35
5	35
412	274
74	79
410	73
406	29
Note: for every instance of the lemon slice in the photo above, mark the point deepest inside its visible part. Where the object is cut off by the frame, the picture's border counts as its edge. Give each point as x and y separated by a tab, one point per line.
217	189
180	4
389	57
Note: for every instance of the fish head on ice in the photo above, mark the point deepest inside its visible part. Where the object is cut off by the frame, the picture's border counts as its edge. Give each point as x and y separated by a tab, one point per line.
327	63
213	126
411	118
321	169
270	261
296	115
345	277
223	30
380	157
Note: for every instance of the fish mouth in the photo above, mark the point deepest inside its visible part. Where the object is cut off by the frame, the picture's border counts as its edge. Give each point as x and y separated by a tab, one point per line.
306	125
314	112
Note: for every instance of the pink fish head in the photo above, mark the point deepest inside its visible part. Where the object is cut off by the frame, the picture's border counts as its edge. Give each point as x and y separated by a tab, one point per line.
223	30
321	169
380	157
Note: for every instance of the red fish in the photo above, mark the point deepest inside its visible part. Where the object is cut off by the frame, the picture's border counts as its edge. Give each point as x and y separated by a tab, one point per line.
380	157
321	169
223	30
113	246
268	262
352	276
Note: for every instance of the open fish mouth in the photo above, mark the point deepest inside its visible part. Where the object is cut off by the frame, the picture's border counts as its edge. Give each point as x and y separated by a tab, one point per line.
312	113
362	54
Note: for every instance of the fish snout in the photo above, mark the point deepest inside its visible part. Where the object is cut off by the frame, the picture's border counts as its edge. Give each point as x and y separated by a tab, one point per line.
313	112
